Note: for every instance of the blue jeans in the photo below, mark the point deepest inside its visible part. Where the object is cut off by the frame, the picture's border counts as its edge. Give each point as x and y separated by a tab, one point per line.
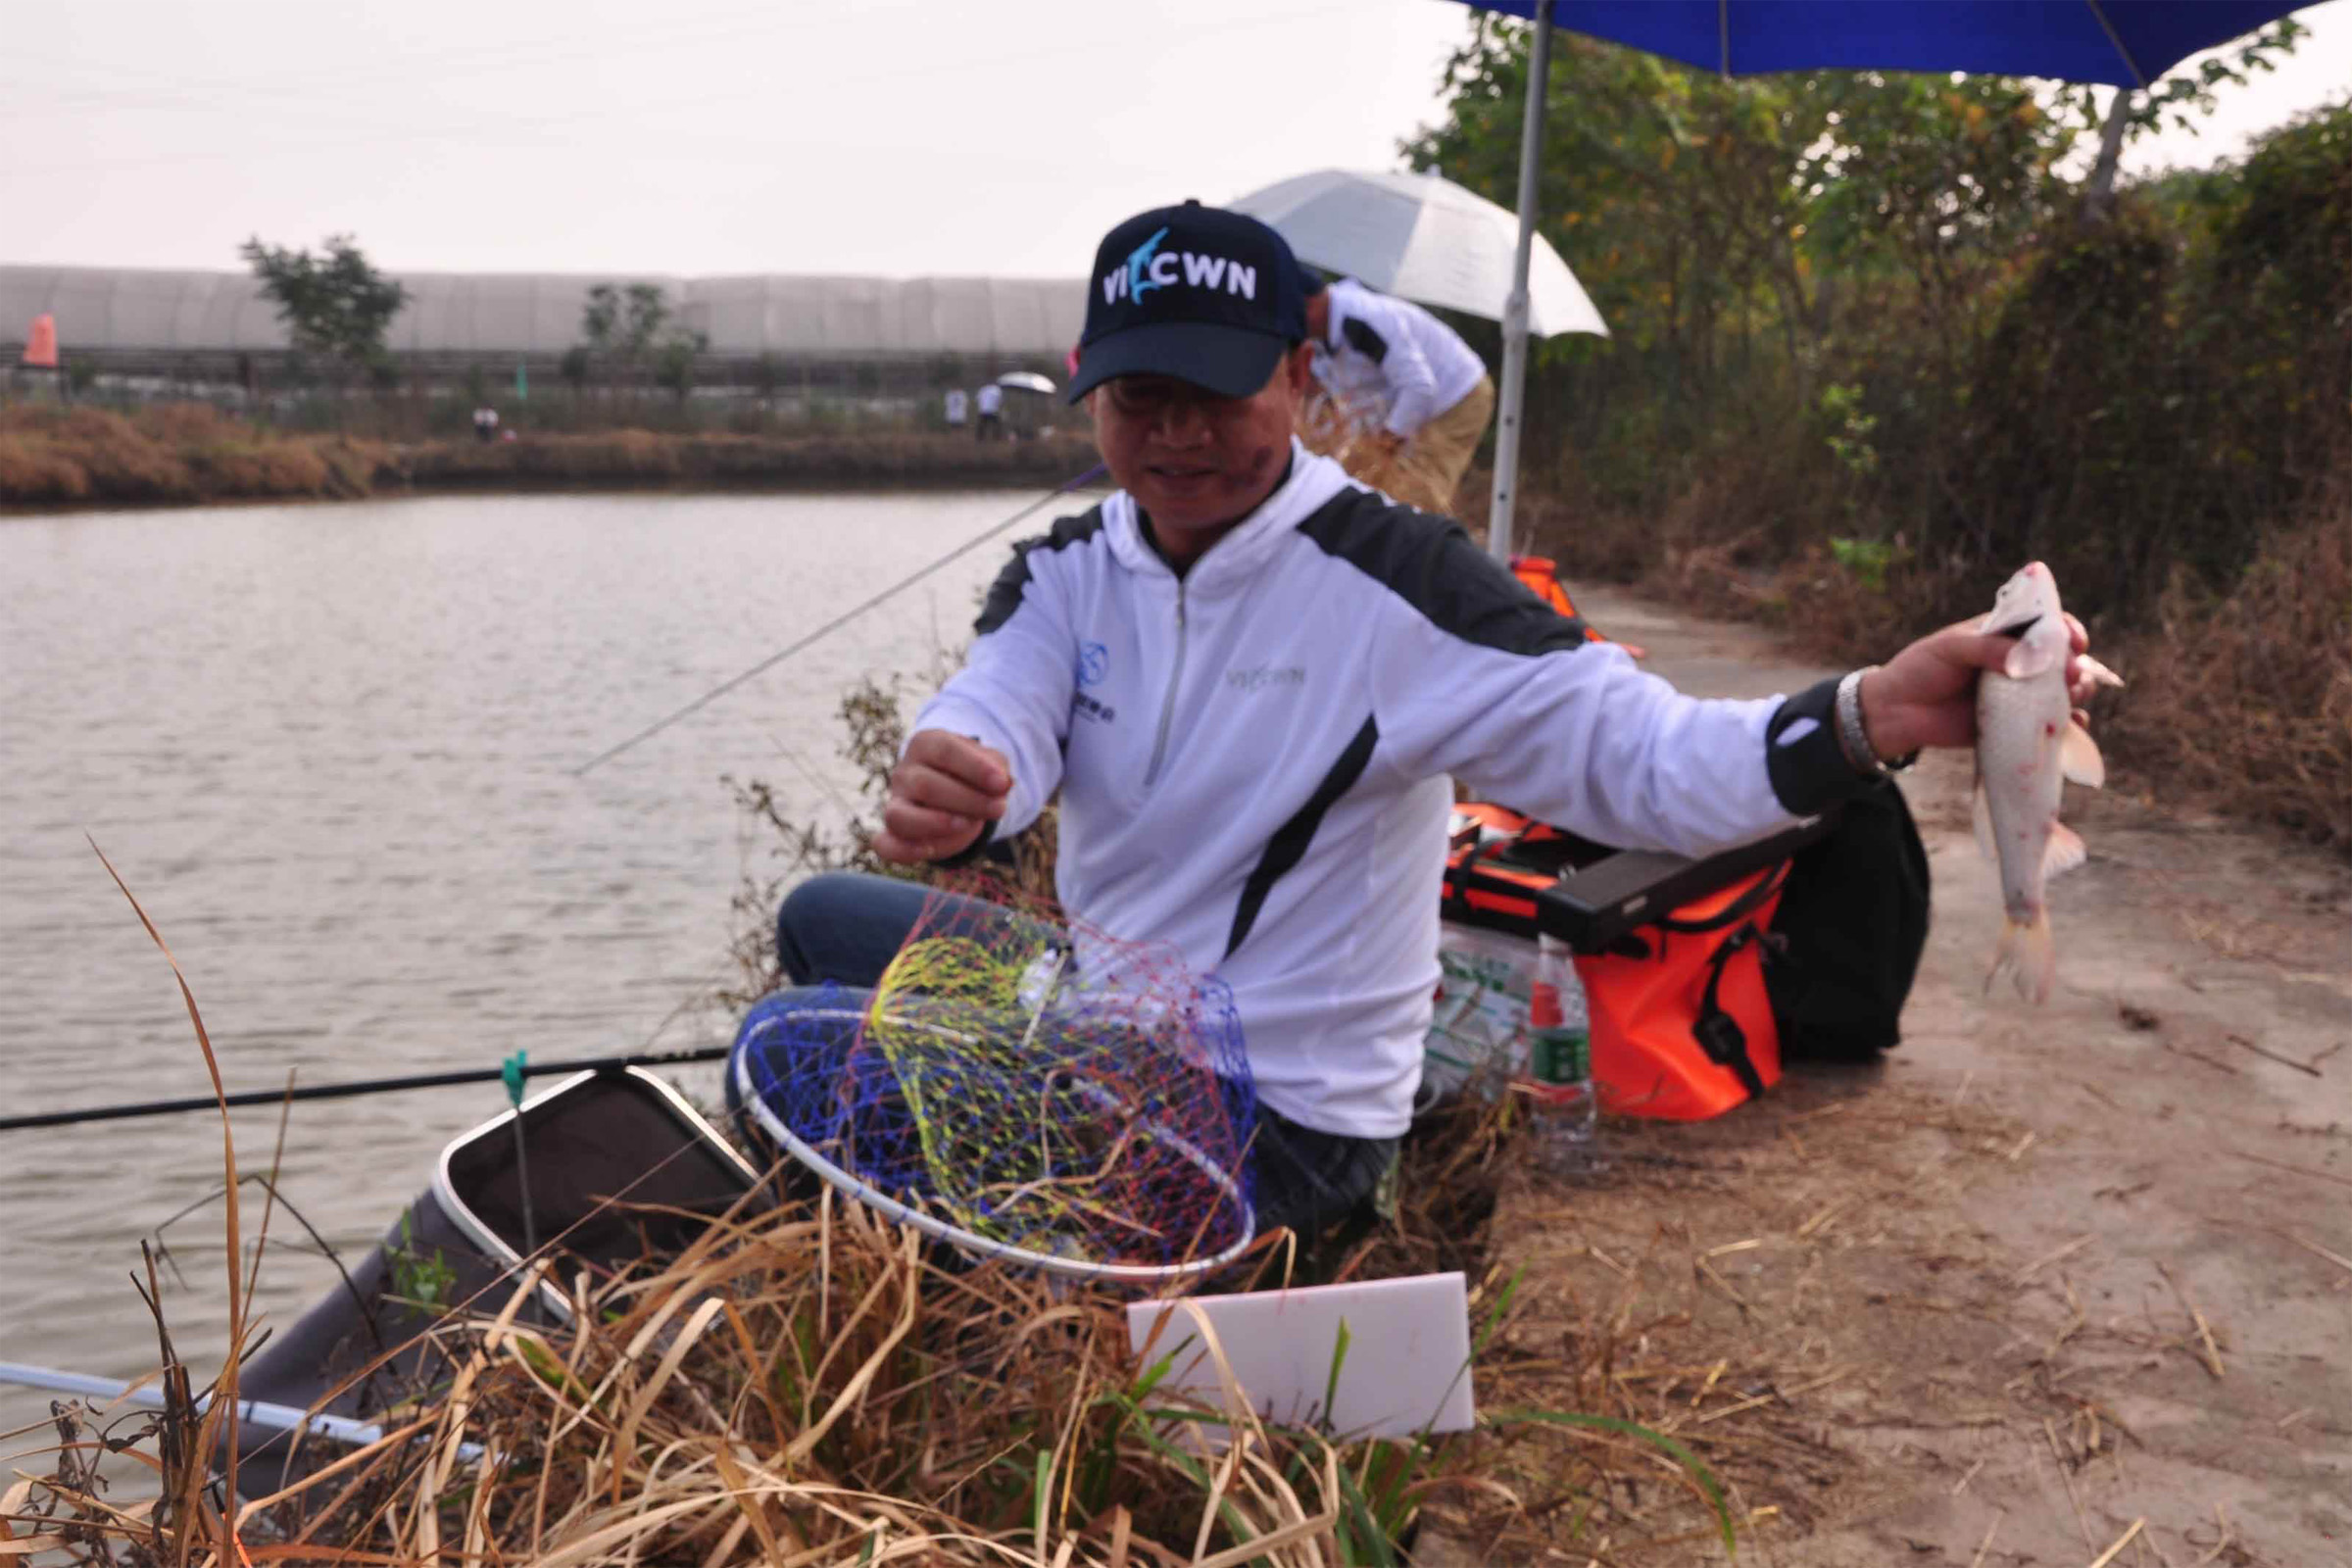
845	927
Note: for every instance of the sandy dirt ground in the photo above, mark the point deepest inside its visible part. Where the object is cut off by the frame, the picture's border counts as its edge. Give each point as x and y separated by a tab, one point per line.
2044	1280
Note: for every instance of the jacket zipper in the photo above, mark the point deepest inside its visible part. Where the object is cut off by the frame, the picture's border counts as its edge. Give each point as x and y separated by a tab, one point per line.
1167	709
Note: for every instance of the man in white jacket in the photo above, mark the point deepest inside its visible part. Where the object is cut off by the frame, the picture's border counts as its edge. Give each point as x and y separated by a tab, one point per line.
1429	388
1251	679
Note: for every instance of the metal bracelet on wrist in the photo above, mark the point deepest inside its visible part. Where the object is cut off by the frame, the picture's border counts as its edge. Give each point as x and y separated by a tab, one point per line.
1853	739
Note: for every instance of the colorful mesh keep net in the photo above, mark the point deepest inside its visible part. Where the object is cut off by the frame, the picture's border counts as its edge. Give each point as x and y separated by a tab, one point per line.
1031	1081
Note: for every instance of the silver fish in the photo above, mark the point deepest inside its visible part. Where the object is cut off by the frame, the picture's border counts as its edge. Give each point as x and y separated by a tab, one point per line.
2027	746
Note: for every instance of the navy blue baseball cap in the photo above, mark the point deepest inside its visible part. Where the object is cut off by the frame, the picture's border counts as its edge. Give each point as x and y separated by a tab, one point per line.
1194	292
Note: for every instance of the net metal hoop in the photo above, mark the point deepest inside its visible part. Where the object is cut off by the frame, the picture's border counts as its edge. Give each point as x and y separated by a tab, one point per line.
850	1185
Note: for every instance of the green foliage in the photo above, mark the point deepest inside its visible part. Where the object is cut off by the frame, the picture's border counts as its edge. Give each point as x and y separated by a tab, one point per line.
635	330
1865	560
1849	428
423	1280
673	360
624	321
1871	306
335	304
2181	100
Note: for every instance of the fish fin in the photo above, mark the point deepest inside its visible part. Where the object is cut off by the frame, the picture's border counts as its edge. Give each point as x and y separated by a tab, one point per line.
2078	758
2064	851
2027	956
1980	812
2034	656
2097	672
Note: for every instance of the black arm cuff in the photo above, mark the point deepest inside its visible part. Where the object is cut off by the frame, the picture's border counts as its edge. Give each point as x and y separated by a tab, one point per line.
1810	774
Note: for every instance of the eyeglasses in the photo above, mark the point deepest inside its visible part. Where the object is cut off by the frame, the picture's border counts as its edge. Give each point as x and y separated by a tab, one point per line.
1151	397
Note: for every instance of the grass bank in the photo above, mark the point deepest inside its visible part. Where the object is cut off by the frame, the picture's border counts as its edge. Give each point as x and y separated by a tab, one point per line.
188	454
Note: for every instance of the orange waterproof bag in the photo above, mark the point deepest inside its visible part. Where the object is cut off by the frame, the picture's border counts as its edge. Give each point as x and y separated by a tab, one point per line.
1681	1024
1670	952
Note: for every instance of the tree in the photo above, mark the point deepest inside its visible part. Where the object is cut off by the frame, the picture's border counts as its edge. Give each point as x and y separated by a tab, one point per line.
673	360
336	305
635	330
2180	99
1855	215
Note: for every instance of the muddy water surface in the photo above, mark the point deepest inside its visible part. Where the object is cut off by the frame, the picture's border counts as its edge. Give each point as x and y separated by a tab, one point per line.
332	751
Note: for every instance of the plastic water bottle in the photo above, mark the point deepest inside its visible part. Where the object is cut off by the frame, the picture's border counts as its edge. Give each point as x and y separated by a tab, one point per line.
1562	1110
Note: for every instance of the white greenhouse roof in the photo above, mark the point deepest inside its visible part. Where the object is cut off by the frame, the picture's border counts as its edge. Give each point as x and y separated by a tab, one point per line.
539	313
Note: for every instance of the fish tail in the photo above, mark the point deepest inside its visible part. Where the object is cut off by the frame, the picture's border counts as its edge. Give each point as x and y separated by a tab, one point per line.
2027	955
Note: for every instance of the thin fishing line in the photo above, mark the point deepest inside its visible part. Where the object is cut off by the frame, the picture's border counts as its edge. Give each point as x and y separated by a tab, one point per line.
362	1087
835	624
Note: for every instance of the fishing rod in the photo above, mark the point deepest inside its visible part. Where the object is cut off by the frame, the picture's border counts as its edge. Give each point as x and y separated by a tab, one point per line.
364	1086
833	625
254	1412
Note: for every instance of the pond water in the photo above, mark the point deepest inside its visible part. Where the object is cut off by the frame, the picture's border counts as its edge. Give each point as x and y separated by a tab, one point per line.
332	749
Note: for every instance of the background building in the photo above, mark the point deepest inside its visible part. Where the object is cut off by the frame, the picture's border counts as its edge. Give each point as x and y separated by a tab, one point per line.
773	336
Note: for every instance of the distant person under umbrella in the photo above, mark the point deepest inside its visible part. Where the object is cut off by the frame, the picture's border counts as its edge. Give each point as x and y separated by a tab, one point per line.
1436	391
990	403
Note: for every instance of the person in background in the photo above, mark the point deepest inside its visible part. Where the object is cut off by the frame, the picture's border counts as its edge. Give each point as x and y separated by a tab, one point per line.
959	408
1432	387
992	413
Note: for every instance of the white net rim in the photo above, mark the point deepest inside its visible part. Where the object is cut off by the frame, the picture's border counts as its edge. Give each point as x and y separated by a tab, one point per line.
850	1185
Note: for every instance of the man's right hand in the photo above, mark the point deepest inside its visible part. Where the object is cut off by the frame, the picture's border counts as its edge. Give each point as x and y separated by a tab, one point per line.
944	793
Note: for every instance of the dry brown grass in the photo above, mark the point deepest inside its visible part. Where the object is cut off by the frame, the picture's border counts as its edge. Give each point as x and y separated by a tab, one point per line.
801	1385
170	455
2248	700
804	1386
178	453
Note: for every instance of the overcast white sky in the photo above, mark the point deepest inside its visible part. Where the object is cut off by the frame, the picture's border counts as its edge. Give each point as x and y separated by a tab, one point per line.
894	136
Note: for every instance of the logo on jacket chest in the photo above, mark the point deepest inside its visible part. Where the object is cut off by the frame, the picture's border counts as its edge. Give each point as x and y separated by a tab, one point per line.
1265	677
1094	668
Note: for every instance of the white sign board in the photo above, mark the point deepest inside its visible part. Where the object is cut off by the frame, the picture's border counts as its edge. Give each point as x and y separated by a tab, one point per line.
1406	1367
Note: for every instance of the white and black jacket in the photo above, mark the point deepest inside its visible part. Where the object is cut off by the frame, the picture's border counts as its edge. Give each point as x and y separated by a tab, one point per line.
1254	760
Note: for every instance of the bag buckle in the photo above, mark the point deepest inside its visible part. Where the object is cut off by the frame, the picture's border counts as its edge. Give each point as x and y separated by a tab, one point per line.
1719	1036
1717	1032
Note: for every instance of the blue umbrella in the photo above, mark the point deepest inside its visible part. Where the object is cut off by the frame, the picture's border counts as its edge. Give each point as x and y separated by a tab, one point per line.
2121	43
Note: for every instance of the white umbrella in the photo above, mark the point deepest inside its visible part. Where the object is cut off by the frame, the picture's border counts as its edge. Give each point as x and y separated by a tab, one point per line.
1422	237
1026	382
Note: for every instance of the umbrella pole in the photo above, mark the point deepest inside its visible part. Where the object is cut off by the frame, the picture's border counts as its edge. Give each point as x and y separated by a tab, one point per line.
1515	312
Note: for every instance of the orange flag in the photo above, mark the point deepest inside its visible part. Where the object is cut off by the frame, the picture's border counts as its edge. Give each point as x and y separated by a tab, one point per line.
40	344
